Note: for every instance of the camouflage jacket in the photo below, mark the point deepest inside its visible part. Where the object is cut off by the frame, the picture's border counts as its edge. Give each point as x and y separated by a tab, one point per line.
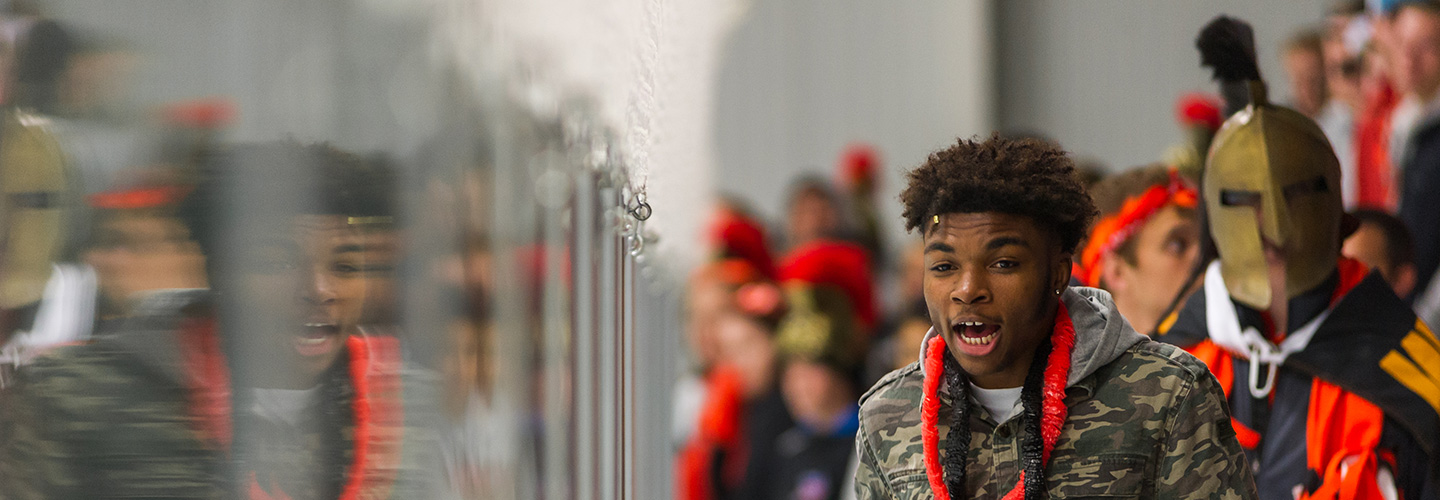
113	419
1146	420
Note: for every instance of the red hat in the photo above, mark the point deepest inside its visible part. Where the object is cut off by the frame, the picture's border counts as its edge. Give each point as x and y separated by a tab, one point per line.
845	266
1199	110
858	166
735	235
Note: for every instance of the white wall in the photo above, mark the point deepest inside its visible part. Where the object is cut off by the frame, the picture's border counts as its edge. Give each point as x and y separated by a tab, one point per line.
1102	76
800	79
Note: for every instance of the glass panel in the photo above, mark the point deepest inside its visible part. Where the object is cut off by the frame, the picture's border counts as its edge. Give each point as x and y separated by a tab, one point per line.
313	250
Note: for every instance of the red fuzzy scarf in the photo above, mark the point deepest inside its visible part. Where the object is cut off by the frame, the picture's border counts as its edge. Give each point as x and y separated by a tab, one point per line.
1053	410
379	421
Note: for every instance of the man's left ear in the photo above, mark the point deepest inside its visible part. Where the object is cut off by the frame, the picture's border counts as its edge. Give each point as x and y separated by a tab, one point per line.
1061	270
1404	280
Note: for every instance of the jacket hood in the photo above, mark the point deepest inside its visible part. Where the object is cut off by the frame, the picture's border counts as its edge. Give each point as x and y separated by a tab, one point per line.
1101	334
149	335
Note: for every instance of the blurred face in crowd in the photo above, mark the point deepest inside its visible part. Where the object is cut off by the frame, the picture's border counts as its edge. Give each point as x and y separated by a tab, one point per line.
1164	251
1383	52
1417	61
1307	80
990	286
141	251
815	393
94	80
466	366
746	345
311	280
912	273
1342	70
908	337
812	216
1369	246
709	300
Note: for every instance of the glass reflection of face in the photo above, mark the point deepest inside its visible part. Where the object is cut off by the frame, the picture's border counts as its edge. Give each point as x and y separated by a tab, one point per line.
136	252
310	284
381	253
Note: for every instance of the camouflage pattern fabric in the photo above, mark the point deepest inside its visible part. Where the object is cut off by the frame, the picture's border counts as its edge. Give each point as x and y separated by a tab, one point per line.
91	425
1152	423
110	419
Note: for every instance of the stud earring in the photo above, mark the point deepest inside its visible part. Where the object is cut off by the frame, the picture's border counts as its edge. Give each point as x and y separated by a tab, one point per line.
1057	291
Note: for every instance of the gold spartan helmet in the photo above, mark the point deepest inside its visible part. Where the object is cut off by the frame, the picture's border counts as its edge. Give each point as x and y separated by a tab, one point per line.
1272	180
32	202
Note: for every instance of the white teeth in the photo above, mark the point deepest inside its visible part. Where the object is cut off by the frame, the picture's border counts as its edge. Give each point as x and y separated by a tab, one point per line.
316	325
312	341
979	340
976	340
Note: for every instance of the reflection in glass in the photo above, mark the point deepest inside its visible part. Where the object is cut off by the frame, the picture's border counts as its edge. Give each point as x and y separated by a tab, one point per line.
315	250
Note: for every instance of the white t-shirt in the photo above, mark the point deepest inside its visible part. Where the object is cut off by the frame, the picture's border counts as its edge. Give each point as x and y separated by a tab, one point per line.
1001	403
283	406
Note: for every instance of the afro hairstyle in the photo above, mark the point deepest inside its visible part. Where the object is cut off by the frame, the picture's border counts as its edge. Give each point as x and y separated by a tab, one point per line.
1027	177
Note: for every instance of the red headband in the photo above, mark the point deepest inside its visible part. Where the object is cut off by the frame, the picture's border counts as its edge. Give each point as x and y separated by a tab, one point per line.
1113	231
132	199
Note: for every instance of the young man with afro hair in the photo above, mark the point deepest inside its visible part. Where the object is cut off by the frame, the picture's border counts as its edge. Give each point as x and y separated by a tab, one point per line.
1027	387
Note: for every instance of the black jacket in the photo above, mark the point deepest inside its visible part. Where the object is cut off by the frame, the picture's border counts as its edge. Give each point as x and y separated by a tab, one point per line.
1420	201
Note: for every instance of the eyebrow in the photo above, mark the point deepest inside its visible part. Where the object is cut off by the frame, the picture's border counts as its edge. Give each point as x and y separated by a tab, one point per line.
1177	231
1005	241
994	244
349	247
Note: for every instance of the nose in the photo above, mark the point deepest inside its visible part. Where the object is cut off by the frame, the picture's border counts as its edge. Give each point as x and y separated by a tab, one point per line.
319	288
971	288
1273	214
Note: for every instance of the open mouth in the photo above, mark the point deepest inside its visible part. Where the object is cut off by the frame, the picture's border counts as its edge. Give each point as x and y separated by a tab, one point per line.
976	333
317	338
1273	252
974	339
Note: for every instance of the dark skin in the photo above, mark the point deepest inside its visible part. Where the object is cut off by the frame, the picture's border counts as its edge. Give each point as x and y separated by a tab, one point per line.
1000	270
312	281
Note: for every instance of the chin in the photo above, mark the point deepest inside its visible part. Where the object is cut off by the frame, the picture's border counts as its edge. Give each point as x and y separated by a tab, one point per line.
978	370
